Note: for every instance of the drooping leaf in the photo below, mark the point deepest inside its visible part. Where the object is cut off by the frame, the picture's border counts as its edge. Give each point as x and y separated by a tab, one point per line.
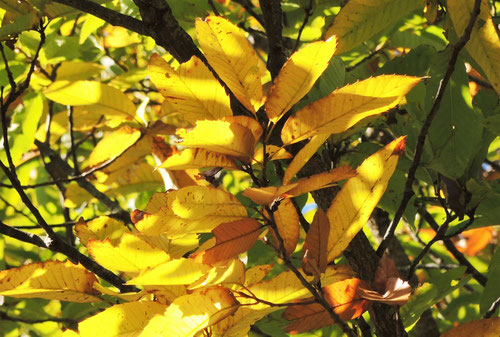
191	89
298	76
126	319
303	156
113	145
178	271
484	43
266	195
346	106
397	292
233	58
488	327
232	238
219	136
100	229
108	100
315	249
343	298
359	20
54	280
131	255
288	225
353	205
197	158
192	313
322	180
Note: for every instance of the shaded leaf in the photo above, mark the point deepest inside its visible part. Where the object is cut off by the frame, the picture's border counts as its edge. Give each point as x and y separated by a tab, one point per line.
489	327
322	180
288	224
266	195
197	158
353	205
397	292
54	280
315	249
303	156
346	106
233	58
298	76
191	89
126	319
359	20
491	291
232	238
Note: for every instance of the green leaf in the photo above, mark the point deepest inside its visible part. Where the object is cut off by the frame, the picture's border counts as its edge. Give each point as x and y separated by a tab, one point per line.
21	23
492	291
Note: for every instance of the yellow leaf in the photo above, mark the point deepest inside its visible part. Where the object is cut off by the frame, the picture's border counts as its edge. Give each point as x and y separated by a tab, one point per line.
119	37
266	195
178	271
353	205
129	297
75	196
288	224
346	106
322	180
257	273
100	228
232	238
188	177
166	294
70	333
298	76
192	313
157	201
484	43
198	158
359	20
303	156
219	136
192	90
273	152
52	280
131	255
233	58
109	100
228	273
176	247
133	155
126	319
489	327
113	145
75	71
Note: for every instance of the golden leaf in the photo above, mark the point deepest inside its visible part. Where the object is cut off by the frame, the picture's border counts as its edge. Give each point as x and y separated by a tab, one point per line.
303	156
100	229
322	180
288	224
198	158
315	250
113	145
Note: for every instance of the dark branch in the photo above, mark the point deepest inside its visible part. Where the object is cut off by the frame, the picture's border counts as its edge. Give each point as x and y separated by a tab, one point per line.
408	191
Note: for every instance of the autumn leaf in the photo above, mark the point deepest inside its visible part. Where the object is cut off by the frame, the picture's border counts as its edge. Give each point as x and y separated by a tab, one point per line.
303	156
353	205
489	327
322	180
359	20
51	280
298	76
288	225
126	319
315	249
346	106
198	158
232	238
484	43
113	145
272	152
100	229
192	313
257	273
233	58
266	195
397	292
474	240
191	89
230	273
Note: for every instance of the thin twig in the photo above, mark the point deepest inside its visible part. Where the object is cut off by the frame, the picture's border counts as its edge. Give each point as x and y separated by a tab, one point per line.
249	7
408	191
492	309
309	10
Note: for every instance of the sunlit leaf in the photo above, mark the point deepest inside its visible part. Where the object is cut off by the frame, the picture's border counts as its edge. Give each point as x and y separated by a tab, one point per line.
119	37
191	89
126	319
322	180
346	106
359	20
266	195
488	327
315	249
257	273
191	313
178	271
197	158
484	43
109	100
353	205
303	156
233	58
219	136
298	76
228	273
273	152
113	145
54	280
288	225
475	240
232	238
100	229
131	255
75	71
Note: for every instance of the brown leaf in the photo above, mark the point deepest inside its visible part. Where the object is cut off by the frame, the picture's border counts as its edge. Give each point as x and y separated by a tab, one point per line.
232	238
483	327
315	253
397	292
386	269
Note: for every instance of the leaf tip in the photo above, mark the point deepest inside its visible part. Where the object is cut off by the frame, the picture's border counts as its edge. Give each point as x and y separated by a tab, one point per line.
399	149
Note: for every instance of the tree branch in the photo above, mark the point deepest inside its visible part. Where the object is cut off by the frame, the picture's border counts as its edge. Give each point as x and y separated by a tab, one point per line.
408	191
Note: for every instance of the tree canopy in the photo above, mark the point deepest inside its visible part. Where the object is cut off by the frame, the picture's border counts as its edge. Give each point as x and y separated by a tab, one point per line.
249	168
